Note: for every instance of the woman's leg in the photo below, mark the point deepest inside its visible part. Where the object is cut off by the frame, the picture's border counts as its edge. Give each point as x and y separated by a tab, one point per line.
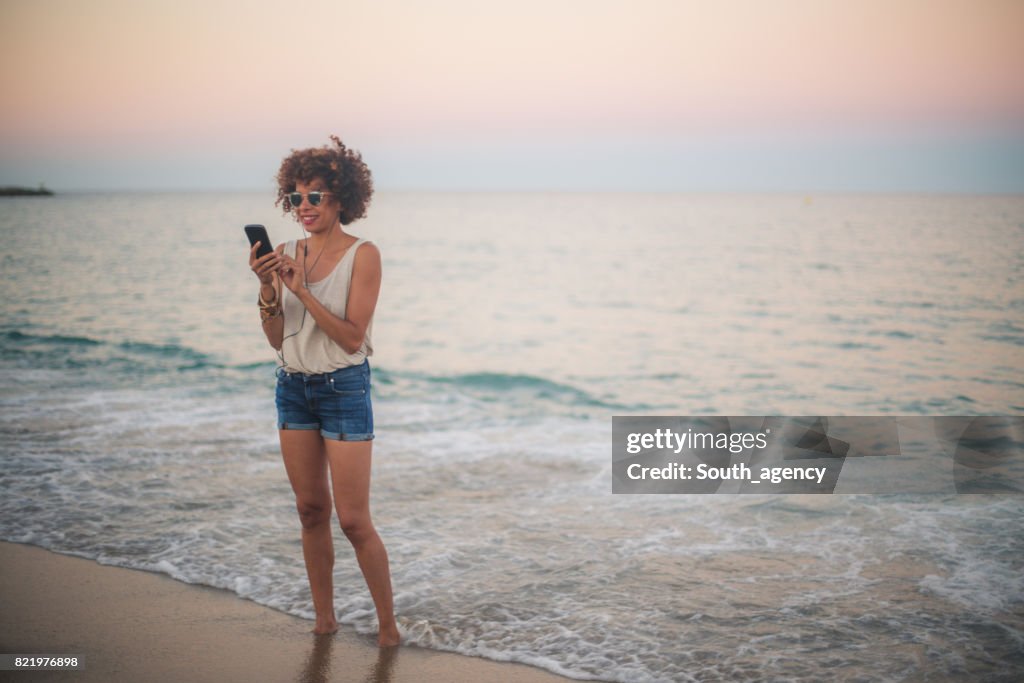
306	463
350	477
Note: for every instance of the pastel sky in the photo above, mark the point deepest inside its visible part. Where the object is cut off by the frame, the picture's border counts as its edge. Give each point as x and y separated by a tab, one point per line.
722	95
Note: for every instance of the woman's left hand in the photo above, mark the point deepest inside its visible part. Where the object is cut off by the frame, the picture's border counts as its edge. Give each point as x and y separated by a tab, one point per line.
291	275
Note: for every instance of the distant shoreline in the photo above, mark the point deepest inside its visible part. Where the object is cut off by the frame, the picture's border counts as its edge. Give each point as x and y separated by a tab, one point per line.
13	191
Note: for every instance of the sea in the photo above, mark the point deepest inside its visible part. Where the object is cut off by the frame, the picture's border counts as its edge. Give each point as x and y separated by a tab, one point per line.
138	425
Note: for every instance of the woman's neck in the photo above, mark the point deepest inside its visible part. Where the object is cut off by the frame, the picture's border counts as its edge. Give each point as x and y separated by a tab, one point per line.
322	240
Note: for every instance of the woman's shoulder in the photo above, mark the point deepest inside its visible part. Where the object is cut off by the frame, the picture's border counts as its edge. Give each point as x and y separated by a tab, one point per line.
367	255
364	248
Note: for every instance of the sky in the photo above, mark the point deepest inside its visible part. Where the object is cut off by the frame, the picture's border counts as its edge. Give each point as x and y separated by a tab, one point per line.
637	95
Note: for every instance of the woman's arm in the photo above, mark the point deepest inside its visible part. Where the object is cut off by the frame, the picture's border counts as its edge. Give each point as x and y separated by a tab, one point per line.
266	270
273	328
348	333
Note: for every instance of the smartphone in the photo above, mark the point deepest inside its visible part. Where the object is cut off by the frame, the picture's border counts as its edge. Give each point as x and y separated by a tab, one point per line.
257	233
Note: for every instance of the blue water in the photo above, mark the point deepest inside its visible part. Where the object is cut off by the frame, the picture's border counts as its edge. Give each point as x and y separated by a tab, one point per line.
137	423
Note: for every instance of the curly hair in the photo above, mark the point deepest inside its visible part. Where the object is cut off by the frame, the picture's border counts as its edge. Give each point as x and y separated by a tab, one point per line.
347	177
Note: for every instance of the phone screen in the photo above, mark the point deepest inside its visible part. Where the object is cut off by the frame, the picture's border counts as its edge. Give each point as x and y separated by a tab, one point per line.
258	233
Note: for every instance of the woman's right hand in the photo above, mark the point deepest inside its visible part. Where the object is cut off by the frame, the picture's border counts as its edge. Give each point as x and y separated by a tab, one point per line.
264	267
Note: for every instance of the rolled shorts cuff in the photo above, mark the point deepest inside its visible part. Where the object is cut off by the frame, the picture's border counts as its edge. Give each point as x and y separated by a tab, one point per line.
296	425
336	436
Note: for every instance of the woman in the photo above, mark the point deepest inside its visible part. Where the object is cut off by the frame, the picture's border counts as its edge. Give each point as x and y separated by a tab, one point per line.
317	299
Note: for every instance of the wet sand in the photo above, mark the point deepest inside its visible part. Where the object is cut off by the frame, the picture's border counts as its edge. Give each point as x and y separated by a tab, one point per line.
132	625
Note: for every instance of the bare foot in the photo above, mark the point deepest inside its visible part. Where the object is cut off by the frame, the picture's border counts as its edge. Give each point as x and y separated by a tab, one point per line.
325	625
389	636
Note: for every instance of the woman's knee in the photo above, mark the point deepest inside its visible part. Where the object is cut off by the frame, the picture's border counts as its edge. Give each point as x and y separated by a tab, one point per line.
355	524
313	513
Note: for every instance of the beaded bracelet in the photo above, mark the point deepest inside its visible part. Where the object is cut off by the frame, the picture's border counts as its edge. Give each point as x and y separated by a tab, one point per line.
268	309
269	313
267	304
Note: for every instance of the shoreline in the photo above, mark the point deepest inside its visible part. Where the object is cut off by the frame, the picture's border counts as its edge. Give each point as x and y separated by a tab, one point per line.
129	624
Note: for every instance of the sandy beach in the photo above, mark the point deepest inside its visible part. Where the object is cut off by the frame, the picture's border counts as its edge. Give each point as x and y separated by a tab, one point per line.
132	625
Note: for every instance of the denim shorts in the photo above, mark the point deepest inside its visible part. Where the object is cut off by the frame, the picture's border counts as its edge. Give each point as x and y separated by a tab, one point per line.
337	403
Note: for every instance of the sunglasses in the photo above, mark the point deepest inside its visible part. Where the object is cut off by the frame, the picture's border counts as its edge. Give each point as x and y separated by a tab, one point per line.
314	197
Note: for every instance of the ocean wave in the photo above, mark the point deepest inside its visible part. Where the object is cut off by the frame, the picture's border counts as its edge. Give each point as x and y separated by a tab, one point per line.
127	359
132	358
494	395
56	339
503	383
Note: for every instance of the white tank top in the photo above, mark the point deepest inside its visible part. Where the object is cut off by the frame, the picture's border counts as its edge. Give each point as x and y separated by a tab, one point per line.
311	351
